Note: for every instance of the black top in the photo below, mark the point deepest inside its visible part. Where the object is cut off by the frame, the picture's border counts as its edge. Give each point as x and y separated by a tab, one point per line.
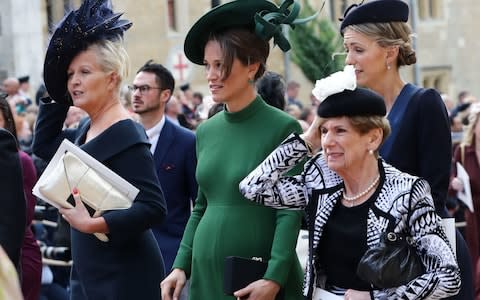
343	244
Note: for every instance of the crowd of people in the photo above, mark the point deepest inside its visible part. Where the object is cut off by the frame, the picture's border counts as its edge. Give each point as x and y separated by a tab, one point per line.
239	172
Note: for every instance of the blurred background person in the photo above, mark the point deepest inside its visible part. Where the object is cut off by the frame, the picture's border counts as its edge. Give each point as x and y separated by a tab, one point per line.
197	99
271	87
11	86
24	132
12	203
293	88
74	116
204	109
24	88
468	155
173	109
188	104
31	261
126	100
185	116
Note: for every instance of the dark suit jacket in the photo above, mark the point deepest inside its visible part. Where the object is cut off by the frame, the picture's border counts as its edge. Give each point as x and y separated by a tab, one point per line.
175	162
423	145
12	198
130	265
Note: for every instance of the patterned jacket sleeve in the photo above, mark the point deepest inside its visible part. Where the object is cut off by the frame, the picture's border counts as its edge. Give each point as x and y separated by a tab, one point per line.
267	185
442	276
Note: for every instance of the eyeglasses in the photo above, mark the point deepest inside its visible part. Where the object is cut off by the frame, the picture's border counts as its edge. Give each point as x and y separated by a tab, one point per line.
142	88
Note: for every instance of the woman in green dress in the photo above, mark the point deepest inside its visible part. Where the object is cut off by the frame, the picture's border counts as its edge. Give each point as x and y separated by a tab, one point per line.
231	41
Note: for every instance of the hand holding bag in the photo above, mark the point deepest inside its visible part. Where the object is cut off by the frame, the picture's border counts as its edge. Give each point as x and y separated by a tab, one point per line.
100	188
71	172
240	272
95	191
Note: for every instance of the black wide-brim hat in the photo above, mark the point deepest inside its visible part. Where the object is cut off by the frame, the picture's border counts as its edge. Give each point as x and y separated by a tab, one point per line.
94	21
378	11
359	102
238	13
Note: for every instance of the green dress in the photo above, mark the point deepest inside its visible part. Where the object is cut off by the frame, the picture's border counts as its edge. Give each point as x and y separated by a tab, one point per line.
223	223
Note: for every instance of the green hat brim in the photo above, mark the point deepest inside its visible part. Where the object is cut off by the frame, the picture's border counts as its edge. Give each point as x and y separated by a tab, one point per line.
238	13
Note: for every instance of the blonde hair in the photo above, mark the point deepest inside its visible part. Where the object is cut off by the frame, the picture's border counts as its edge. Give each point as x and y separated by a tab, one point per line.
391	34
113	57
473	118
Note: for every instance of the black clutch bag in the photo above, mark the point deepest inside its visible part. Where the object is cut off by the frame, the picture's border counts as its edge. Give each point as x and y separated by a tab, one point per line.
240	272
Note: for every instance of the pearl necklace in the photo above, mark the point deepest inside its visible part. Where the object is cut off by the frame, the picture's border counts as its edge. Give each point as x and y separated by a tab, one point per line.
361	194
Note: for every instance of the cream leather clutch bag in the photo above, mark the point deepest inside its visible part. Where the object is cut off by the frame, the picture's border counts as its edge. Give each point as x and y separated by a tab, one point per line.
99	187
69	172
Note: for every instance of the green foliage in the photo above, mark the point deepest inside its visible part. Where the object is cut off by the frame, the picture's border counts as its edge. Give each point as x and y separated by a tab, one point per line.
314	45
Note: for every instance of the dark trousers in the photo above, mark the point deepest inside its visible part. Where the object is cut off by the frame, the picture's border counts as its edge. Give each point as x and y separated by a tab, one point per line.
466	270
53	291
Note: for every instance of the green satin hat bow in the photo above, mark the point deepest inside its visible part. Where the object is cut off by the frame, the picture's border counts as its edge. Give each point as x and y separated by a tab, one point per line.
268	24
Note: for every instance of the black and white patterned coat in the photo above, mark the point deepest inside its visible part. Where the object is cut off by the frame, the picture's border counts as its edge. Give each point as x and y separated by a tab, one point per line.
317	190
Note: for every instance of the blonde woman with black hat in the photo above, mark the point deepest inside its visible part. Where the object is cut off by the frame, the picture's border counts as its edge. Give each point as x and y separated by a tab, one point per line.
378	42
232	43
84	66
356	203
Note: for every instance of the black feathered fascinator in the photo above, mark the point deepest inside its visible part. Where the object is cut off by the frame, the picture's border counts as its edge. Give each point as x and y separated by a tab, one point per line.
94	21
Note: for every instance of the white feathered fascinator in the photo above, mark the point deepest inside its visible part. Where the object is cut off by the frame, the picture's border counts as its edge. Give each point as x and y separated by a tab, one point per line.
335	83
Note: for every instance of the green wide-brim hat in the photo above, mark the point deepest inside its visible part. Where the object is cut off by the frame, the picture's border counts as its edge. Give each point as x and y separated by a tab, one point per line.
239	13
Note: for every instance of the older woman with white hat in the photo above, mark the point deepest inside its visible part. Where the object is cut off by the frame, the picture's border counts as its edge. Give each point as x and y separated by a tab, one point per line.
354	200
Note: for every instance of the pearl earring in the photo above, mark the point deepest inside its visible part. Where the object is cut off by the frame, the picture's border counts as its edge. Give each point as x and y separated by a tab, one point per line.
370	151
388	67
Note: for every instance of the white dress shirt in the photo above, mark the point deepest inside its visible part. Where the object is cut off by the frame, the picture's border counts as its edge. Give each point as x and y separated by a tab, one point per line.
153	134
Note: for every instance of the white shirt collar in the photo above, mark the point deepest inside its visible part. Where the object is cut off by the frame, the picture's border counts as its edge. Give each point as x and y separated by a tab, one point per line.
154	133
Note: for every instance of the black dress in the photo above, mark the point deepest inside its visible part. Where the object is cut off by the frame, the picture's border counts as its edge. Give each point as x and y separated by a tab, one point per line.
130	265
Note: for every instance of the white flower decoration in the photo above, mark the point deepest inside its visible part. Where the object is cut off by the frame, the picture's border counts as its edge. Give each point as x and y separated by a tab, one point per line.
335	83
474	111
475	108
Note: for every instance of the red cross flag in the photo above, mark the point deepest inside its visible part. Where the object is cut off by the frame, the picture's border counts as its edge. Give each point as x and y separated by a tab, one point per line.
179	65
